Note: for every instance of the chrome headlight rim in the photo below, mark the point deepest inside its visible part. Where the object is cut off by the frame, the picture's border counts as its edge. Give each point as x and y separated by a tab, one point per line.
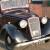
23	23
44	20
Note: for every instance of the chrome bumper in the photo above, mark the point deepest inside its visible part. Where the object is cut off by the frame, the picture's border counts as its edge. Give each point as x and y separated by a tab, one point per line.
35	41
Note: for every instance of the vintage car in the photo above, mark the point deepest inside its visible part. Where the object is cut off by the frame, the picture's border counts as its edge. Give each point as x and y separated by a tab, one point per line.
19	26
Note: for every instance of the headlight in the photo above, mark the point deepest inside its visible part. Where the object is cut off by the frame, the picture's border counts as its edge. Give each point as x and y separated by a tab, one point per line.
23	23
44	20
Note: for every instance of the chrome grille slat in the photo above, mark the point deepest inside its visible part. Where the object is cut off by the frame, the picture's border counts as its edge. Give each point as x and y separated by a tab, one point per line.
34	26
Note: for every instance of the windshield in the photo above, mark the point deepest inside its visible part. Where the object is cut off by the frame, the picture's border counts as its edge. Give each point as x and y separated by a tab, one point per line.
8	4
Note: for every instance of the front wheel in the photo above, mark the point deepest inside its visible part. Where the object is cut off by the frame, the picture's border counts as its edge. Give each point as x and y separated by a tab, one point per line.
9	43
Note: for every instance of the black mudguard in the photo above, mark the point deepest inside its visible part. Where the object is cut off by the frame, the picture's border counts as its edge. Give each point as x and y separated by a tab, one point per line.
46	28
14	33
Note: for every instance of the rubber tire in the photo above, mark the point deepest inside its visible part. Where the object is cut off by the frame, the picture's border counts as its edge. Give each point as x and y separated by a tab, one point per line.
9	46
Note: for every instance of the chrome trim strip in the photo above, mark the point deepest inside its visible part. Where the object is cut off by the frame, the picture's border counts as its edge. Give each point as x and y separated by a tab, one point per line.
35	41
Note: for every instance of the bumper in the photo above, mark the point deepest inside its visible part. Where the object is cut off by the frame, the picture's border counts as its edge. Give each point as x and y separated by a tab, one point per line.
34	41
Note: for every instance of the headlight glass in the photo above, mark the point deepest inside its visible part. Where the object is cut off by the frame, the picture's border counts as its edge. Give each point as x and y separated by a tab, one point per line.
23	23
44	20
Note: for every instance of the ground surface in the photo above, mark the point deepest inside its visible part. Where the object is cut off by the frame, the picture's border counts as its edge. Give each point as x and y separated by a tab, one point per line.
45	46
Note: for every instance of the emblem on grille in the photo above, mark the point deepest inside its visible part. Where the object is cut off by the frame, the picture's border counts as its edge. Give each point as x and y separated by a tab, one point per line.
34	26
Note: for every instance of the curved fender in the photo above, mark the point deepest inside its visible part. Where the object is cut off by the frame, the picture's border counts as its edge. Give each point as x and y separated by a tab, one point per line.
14	33
46	28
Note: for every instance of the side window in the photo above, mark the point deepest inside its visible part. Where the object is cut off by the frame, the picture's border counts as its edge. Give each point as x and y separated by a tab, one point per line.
37	1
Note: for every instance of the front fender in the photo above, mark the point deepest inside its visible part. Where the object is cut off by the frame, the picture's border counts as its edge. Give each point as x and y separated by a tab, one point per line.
14	33
46	28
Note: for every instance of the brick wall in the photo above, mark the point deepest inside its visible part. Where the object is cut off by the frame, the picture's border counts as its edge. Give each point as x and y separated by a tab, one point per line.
40	10
36	9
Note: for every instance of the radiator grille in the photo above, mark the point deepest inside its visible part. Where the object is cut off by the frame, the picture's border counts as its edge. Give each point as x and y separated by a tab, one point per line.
34	26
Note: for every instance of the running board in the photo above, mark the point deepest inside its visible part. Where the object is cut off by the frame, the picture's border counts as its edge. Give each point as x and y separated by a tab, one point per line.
35	41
